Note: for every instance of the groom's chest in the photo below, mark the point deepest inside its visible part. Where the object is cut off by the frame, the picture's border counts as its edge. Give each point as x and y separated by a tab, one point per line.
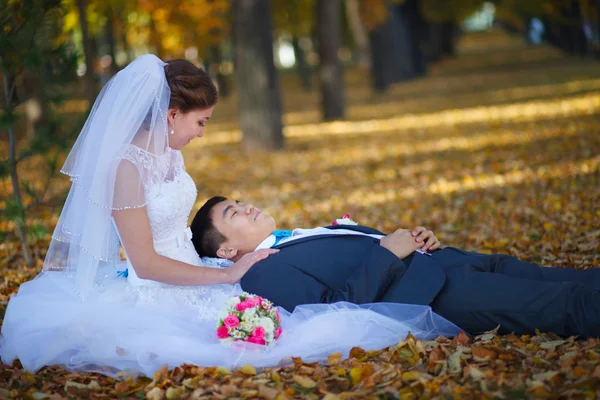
330	259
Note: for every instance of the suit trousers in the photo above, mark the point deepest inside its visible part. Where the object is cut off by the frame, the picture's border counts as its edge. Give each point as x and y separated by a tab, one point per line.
484	291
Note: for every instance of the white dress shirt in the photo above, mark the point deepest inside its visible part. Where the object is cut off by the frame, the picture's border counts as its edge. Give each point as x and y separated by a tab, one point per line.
303	233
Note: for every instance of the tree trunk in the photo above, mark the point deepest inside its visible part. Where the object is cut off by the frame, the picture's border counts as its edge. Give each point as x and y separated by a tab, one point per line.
90	80
402	44
122	34
302	67
358	33
597	49
216	58
378	75
330	68
109	30
257	79
415	25
12	161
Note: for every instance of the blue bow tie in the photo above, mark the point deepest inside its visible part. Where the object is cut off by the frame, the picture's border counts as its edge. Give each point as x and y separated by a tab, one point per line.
279	235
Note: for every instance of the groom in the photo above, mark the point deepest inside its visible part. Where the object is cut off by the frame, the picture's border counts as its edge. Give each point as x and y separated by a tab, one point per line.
361	265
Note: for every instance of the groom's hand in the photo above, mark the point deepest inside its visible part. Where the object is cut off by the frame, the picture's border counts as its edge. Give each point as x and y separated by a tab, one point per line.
401	243
425	238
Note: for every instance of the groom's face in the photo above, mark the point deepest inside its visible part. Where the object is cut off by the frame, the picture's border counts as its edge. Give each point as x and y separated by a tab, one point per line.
244	226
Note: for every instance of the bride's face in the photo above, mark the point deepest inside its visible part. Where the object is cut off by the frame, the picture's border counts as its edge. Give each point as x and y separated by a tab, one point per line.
187	126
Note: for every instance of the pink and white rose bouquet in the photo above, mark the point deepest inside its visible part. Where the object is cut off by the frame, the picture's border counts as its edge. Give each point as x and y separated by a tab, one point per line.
249	318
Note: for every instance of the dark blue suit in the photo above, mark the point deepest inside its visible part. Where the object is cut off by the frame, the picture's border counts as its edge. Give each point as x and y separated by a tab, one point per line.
475	291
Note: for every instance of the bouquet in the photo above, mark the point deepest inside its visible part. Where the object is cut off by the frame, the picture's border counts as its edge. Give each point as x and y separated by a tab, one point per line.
249	318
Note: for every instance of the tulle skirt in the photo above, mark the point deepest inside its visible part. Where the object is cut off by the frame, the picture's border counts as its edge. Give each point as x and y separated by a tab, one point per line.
116	331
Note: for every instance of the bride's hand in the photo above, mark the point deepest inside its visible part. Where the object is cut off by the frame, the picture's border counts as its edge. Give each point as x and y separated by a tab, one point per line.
241	266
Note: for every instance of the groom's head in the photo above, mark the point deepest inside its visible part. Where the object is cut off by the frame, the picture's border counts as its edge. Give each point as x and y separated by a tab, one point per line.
229	228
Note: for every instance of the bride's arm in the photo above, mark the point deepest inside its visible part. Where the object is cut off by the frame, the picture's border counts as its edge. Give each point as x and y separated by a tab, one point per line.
134	229
136	236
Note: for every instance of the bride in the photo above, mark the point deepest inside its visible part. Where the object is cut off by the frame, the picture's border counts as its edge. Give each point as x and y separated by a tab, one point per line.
89	311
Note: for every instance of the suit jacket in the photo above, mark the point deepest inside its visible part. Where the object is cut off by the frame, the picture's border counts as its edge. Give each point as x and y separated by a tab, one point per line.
353	268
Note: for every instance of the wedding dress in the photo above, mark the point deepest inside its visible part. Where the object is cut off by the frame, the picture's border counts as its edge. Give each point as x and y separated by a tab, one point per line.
82	313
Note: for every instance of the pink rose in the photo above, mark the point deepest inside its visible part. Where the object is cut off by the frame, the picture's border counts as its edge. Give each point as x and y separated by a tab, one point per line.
222	332
242	306
334	223
259	332
253	339
253	301
231	321
278	331
346	216
277	314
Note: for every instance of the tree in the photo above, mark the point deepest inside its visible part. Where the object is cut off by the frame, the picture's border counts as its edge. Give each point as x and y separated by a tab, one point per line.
88	50
359	33
330	68
296	19
33	67
256	78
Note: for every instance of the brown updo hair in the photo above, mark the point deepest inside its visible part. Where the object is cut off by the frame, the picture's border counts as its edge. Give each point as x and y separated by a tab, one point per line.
191	87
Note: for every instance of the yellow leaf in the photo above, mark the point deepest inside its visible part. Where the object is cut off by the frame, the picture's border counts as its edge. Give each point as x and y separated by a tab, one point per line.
304	381
223	371
356	374
247	369
409	376
334	358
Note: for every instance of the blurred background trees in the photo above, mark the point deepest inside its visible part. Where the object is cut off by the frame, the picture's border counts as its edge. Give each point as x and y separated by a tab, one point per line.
51	50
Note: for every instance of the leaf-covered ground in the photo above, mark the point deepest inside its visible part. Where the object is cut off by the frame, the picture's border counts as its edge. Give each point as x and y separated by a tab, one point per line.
497	150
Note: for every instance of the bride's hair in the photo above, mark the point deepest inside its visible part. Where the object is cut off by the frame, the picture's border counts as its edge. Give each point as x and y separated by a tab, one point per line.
191	87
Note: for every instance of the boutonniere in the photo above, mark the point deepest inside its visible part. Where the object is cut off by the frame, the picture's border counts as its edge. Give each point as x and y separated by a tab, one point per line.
345	220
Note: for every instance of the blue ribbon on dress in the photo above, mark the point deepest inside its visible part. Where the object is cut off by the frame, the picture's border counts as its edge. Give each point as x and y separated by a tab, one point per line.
124	273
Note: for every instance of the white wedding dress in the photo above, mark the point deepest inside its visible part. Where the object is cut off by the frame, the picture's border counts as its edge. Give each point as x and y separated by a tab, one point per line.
138	326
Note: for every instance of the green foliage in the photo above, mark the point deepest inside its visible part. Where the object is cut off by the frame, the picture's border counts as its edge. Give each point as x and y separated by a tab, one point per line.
13	211
38	231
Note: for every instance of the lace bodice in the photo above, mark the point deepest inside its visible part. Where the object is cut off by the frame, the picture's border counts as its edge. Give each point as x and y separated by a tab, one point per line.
170	196
170	192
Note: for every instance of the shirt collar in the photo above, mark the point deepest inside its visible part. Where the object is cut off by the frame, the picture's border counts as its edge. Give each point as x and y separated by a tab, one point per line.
267	243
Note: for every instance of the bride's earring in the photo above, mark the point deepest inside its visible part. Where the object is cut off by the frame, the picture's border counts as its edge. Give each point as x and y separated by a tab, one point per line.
173	126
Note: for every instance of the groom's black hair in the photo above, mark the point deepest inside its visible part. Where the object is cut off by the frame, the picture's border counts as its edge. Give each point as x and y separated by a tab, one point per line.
205	236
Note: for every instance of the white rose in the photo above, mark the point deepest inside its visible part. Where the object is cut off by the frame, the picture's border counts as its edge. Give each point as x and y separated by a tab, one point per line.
249	312
233	301
223	314
269	337
267	323
247	326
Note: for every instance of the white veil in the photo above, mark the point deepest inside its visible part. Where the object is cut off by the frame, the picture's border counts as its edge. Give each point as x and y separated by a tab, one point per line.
130	114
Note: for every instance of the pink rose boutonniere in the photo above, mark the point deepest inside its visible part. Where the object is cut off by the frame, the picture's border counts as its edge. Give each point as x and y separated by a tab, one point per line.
345	220
249	318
